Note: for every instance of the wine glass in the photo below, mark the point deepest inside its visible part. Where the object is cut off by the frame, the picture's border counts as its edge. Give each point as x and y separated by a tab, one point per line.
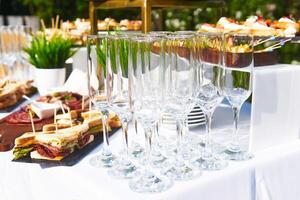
209	77
7	44
119	94
96	53
237	83
147	97
180	76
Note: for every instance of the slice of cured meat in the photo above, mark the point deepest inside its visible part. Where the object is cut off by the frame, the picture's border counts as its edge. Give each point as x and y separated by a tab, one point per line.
20	117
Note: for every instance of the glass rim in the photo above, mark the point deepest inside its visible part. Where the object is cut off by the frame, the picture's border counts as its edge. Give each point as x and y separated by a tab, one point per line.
179	36
146	38
239	34
160	32
187	32
96	36
210	34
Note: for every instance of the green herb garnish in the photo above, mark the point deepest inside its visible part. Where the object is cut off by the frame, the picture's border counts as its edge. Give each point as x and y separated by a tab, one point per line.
21	152
49	53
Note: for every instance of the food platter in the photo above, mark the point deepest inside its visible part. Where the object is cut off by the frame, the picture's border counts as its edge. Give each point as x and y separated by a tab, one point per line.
71	159
11	93
10	131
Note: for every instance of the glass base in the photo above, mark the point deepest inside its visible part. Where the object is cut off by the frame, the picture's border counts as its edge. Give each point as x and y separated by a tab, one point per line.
238	156
150	183
157	159
234	152
187	152
123	169
179	170
104	159
136	151
210	164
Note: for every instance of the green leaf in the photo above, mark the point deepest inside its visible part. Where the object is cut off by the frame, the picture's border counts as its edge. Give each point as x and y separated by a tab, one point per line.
48	53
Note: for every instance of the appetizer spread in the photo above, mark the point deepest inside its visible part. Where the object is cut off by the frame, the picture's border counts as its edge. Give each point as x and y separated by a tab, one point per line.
11	92
69	132
284	27
80	28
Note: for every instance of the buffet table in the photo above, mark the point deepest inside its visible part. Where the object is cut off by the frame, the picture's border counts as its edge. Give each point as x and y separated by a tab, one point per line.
273	174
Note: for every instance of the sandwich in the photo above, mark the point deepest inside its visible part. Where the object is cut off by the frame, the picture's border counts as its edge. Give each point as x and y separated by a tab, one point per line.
52	145
12	91
56	141
24	145
62	143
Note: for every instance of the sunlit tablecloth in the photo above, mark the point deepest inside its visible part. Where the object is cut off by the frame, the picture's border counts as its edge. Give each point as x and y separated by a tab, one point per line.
272	175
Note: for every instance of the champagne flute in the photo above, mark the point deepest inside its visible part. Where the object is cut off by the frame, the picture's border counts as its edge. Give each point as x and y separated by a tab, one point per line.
209	77
237	83
180	91
96	50
119	94
147	98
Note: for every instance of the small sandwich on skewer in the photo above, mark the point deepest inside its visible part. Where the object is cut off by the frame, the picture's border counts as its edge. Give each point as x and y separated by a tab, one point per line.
53	145
60	139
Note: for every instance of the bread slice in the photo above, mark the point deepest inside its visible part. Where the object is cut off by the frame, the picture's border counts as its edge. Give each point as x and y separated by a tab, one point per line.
52	127
72	114
91	114
36	155
93	122
26	139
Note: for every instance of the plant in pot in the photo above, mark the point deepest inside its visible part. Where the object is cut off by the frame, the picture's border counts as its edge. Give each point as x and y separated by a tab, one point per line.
48	55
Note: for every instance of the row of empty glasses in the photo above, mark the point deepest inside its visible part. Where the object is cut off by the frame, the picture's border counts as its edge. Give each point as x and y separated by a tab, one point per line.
140	77
13	63
15	20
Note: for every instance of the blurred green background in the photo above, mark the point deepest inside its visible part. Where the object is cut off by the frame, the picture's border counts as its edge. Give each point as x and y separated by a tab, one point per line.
173	20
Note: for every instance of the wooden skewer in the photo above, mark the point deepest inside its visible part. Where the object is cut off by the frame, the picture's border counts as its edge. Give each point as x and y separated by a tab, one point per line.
62	108
82	103
56	128
70	117
56	21
52	22
263	41
31	120
90	108
61	23
275	46
43	25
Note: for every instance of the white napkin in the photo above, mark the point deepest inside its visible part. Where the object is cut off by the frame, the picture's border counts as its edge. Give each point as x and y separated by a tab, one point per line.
77	82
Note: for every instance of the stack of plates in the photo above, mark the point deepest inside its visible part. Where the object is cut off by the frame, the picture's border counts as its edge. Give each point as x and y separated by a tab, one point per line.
195	118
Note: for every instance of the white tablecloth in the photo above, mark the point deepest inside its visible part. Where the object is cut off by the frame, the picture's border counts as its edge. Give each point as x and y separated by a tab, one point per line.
272	175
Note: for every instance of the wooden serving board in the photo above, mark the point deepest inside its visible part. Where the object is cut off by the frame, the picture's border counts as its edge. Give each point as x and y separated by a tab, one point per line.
9	132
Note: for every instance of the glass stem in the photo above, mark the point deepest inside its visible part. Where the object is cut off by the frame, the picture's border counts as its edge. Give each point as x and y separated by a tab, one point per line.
179	127
236	115
148	145
208	143
186	128
125	135
135	123
156	131
105	131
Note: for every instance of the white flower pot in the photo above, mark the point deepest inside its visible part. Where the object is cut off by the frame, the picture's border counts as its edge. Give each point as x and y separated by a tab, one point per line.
47	79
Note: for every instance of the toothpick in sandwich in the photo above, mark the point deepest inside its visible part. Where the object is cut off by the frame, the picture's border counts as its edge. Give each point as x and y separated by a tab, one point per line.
56	128
32	123
70	117
62	108
82	103
90	108
56	21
